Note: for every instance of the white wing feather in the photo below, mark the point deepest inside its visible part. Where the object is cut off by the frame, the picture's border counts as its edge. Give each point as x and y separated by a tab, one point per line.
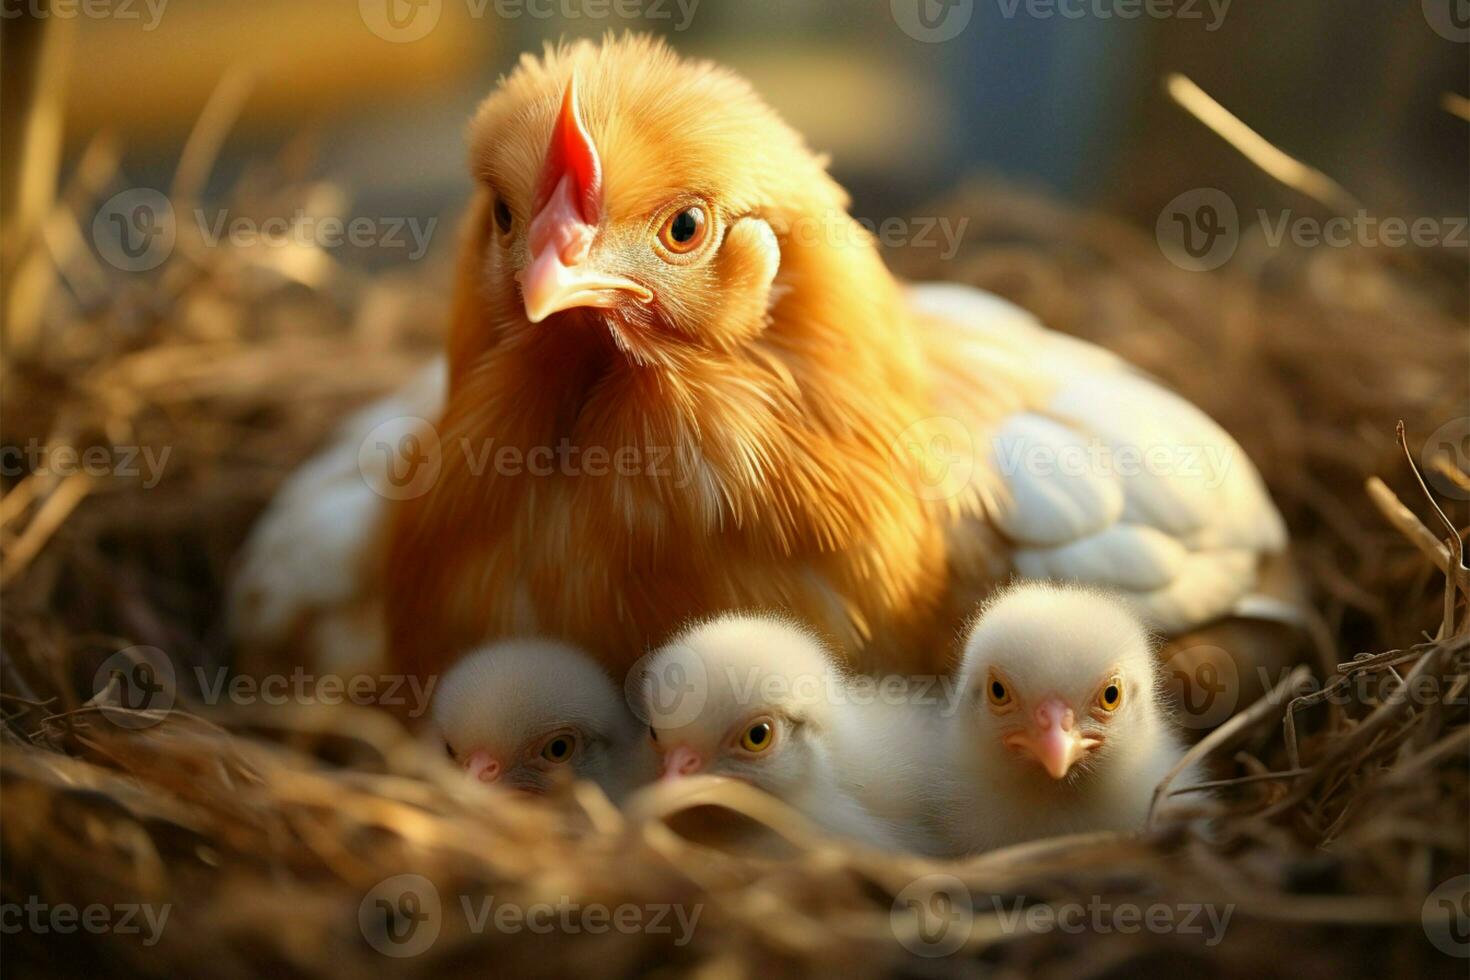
1104	476
308	563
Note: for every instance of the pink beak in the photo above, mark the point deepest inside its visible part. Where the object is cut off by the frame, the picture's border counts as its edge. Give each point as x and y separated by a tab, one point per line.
564	225
480	765
681	761
1053	741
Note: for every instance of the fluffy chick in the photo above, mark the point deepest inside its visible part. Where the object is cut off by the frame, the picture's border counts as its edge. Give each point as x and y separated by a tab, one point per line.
517	712
1061	726
760	699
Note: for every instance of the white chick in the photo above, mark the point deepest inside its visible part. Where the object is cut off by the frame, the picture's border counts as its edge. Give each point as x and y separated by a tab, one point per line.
1061	727
759	699
518	711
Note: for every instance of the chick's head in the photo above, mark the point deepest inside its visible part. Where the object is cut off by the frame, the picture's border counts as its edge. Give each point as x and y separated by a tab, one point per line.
740	696
518	712
1060	685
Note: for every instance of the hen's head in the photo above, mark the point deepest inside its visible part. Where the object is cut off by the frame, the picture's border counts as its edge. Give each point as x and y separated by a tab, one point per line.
636	197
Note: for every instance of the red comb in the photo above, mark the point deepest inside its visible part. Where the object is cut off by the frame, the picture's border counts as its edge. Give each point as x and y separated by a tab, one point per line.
571	152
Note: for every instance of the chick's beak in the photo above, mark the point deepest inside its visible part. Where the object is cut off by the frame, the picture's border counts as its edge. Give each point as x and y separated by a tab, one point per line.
681	761
560	274
1053	740
482	766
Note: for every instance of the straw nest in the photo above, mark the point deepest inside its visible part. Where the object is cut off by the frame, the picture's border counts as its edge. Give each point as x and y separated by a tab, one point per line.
268	832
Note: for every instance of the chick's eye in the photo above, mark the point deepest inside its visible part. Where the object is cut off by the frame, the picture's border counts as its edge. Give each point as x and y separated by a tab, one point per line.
559	749
502	216
758	737
684	230
449	750
1112	695
997	692
653	733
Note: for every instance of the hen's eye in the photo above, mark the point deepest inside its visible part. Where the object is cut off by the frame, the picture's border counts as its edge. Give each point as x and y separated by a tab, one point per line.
653	733
684	231
449	749
502	216
998	693
559	749
1112	695
758	737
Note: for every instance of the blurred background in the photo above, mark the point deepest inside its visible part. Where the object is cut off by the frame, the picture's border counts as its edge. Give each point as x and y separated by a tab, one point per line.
907	96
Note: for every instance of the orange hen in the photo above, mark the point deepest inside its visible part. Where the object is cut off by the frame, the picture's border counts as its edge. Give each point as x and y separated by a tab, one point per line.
682	381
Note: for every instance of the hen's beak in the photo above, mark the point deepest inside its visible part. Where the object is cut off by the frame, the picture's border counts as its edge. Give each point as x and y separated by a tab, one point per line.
1054	740
559	275
482	766
681	761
